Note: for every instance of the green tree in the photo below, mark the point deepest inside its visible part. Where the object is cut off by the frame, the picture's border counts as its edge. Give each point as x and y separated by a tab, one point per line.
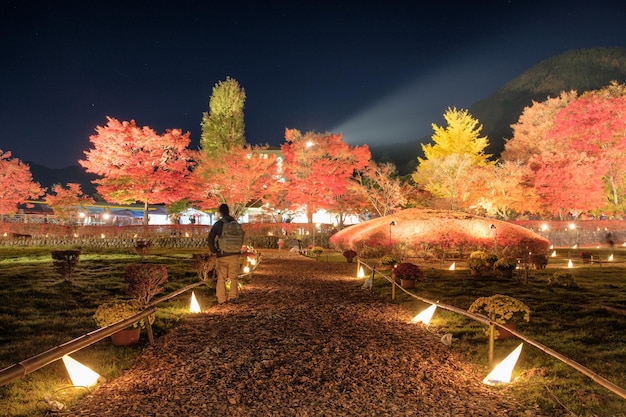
457	148
223	125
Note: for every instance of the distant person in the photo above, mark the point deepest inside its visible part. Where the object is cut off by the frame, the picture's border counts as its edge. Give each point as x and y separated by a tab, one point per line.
225	240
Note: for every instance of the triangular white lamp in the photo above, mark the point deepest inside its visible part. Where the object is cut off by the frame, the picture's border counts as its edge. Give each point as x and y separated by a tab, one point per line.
194	307
361	273
80	375
425	316
501	374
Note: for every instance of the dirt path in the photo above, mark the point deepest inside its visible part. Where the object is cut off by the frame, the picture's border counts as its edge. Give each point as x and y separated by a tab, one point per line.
306	340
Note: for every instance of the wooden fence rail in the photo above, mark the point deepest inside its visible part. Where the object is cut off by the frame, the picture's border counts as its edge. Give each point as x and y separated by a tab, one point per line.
486	320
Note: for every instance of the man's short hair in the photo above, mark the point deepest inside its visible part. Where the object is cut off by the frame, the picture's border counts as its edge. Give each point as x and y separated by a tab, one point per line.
224	210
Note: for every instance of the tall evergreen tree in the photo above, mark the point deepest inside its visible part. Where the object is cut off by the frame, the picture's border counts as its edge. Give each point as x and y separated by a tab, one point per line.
223	125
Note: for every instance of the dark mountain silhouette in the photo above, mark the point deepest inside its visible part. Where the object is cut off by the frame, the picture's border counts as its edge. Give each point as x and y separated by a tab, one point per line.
581	70
47	177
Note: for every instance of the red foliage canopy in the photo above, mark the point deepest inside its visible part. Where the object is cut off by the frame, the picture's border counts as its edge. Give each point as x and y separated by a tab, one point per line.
319	167
16	183
137	164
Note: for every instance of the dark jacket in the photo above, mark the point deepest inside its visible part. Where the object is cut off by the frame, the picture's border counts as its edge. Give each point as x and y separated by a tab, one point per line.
215	233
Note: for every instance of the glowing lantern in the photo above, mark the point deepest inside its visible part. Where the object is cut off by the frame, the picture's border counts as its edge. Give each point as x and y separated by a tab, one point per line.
453	266
252	261
75	234
553	254
501	374
611	257
425	316
102	235
570	264
361	273
551	246
575	246
246	269
186	234
5	234
194	307
80	375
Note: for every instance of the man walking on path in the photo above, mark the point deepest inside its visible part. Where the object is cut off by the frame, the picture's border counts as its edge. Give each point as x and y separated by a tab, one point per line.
227	265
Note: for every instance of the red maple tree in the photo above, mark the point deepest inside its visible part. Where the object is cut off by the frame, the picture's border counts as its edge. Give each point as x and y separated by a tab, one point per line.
16	183
595	125
138	165
67	202
318	168
240	177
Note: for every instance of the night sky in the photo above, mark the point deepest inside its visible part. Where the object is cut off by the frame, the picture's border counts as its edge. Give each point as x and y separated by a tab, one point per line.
378	73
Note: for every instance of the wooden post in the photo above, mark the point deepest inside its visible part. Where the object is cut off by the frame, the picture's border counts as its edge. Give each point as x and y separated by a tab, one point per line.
492	337
149	331
393	287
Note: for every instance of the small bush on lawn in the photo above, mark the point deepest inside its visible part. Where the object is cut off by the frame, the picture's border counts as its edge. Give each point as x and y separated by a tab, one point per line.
562	279
145	280
64	262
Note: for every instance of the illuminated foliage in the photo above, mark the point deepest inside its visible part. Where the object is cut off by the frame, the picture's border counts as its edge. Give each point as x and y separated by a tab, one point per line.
223	126
240	177
457	148
16	183
353	202
531	129
383	188
137	164
460	136
581	154
67	202
595	125
446	177
501	190
319	168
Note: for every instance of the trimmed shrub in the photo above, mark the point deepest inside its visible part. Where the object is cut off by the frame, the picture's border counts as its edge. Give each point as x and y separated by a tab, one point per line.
562	279
64	262
145	280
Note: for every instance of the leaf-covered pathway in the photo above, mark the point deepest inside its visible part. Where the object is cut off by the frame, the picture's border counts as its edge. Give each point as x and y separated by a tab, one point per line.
306	340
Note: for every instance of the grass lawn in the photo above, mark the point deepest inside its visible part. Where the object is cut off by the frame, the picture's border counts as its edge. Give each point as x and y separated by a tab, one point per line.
572	322
39	311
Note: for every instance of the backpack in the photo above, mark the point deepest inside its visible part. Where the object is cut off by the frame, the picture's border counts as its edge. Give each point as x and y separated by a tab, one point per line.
231	239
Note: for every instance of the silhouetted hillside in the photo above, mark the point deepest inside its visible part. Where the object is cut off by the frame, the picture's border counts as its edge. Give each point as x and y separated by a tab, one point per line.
581	70
47	177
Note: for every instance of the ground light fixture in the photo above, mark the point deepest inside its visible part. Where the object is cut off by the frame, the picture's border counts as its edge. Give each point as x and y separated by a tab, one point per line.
194	307
361	273
570	264
80	375
553	254
425	316
611	257
453	266
501	374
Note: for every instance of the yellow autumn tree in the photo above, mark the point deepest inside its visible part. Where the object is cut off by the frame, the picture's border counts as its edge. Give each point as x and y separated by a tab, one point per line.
457	148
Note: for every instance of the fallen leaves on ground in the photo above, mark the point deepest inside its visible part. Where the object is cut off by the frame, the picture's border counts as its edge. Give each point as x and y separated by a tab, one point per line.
305	340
